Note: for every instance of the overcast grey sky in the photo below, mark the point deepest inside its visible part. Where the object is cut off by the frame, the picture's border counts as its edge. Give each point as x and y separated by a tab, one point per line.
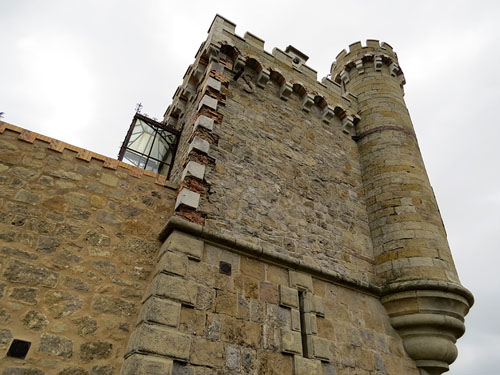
74	70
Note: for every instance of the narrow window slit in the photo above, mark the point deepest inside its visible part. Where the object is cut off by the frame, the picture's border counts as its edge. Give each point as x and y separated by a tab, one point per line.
305	351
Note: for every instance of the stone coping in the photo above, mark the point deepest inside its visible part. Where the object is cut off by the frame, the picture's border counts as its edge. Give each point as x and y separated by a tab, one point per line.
85	155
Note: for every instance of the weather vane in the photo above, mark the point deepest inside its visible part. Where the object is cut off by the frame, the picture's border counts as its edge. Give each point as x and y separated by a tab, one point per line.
138	108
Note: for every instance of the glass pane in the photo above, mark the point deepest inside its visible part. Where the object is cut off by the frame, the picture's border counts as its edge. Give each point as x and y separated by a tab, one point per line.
134	159
141	138
153	165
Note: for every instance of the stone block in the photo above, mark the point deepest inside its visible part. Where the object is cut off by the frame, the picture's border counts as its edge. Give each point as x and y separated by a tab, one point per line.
233	360
200	145
291	342
209	102
160	311
241	332
20	272
193	169
289	297
225	303
95	350
307	102
254	40
263	78
184	243
295	320
320	348
5	338
160	341
172	263
139	364
204	122
22	371
187	198
175	288
212	83
285	90
207	353
192	321
252	267
56	345
318	305
109	179
328	114
35	320
306	366
301	281
310	324
113	306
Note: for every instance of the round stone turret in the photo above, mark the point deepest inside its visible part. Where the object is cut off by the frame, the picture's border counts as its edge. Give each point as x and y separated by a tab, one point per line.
422	292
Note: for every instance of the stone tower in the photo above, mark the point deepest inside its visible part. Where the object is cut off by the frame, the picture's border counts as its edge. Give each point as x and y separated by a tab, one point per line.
420	287
298	233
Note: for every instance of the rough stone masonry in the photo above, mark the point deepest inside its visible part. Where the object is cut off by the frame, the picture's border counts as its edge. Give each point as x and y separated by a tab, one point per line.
298	234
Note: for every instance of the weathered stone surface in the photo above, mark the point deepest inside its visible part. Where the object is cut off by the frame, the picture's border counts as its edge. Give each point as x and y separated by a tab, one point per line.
172	263
272	363
56	345
5	338
73	371
103	370
159	340
321	348
86	325
48	244
20	272
184	243
141	247
27	197
175	288
35	320
207	353
160	311
138	364
233	360
97	239
22	371
225	303
25	295
94	350
113	306
289	297
291	342
75	283
62	304
109	179
4	315
301	280
305	366
193	321
105	267
240	332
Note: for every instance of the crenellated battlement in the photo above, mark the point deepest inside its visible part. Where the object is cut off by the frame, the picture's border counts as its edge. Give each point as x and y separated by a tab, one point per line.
375	53
286	68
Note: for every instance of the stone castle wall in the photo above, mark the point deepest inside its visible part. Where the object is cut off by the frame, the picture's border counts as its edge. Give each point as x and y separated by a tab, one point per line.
302	238
213	309
77	244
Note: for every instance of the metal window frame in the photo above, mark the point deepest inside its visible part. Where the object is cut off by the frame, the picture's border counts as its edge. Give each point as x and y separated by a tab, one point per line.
155	125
